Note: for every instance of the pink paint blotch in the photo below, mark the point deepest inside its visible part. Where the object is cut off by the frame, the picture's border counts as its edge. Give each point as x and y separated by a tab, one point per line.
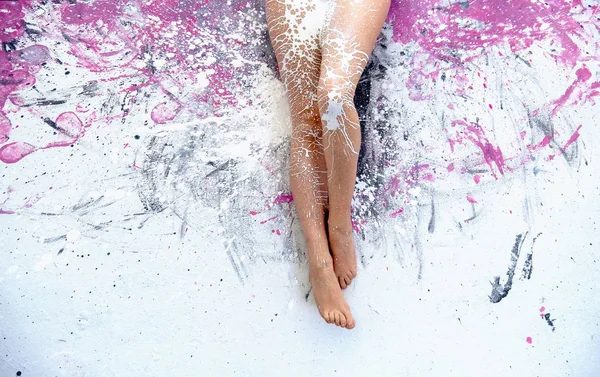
81	13
283	198
165	112
14	152
471	199
529	340
396	213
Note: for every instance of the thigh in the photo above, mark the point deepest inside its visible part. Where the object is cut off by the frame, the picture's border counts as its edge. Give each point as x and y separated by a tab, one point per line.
347	43
294	29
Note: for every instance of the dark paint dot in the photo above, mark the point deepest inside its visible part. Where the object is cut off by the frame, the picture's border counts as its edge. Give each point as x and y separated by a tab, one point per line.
137	137
18	373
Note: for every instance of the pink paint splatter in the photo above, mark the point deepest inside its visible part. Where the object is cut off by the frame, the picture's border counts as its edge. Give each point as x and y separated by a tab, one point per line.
529	340
482	25
573	138
474	133
583	75
283	198
477	178
14	152
269	219
396	213
165	112
471	199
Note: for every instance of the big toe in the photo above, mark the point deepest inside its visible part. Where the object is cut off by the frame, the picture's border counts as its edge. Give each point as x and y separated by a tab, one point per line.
348	320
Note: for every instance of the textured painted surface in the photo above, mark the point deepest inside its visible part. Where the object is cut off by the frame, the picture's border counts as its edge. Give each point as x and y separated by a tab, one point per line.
147	225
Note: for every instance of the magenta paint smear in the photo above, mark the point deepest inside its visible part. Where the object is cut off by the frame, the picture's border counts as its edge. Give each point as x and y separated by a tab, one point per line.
474	133
193	58
470	26
112	37
11	18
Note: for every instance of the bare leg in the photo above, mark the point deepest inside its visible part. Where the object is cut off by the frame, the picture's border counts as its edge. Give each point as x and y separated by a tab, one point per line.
299	60
346	46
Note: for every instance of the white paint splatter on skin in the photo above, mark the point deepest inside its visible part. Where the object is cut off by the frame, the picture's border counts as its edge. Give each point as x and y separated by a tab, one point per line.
331	116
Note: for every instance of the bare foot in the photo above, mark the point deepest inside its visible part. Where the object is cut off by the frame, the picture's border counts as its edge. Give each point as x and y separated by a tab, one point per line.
330	301
342	249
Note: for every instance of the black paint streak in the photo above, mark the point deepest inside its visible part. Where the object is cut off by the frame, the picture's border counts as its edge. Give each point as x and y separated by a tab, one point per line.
90	89
8	46
528	266
85	205
499	291
45	102
55	239
222	166
307	294
431	226
523	60
51	123
237	268
550	321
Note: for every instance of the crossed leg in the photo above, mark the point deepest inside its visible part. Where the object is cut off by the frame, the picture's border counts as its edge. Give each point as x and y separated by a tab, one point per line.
346	45
320	71
299	60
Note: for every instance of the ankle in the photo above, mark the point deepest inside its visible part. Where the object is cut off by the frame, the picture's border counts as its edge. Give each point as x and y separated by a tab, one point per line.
320	263
339	217
340	227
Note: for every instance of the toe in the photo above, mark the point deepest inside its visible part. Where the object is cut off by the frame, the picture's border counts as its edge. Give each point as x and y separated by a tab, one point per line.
343	283
348	280
337	319
327	317
343	321
350	323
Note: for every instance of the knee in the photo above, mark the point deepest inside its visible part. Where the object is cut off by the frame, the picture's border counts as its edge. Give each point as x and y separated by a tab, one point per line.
333	102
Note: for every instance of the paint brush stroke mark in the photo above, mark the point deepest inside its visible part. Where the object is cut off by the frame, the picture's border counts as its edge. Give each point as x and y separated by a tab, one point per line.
500	291
462	132
528	264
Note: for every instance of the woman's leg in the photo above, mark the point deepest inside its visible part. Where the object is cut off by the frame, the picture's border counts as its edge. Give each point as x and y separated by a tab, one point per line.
346	46
299	60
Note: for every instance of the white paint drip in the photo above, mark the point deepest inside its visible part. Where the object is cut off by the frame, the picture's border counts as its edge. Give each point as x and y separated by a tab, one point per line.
330	117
